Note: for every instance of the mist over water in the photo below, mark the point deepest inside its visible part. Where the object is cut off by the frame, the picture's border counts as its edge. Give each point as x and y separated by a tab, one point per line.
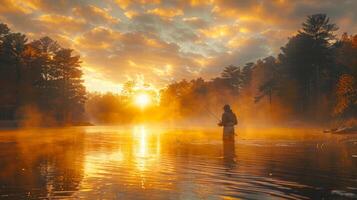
145	162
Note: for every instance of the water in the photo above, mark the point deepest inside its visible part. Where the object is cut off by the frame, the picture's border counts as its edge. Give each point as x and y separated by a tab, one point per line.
140	162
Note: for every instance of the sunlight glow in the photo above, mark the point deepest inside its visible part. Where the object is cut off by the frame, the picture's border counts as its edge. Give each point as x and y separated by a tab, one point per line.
142	100
141	150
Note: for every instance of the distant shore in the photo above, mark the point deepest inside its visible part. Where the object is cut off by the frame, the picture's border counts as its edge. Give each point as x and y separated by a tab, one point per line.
19	124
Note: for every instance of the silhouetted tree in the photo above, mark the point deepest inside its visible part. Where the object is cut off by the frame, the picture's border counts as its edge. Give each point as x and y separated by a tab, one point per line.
271	79
232	76
246	74
40	74
68	80
45	49
307	59
13	45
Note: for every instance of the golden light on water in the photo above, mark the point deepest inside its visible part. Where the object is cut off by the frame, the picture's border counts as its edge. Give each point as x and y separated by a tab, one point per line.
147	146
144	152
143	141
142	100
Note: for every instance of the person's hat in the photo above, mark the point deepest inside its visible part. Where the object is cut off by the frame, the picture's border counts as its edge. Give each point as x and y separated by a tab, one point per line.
226	107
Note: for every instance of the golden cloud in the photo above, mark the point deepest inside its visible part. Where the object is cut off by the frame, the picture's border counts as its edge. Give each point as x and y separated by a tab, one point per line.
130	14
195	22
200	2
51	6
97	38
270	12
222	31
67	24
166	12
94	14
134	54
124	4
14	6
236	42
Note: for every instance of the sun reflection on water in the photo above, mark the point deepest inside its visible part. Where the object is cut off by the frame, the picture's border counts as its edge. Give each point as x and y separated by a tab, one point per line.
146	146
140	134
138	152
146	151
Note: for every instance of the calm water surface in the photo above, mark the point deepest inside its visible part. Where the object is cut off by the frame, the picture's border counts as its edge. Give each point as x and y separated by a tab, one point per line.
140	162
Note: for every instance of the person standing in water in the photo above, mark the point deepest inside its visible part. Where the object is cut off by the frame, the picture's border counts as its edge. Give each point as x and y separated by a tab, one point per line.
228	121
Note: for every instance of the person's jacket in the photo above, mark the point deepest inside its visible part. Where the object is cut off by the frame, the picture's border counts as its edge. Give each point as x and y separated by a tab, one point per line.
228	119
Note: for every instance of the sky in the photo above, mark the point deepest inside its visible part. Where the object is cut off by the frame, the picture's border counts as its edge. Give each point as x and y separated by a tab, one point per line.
161	41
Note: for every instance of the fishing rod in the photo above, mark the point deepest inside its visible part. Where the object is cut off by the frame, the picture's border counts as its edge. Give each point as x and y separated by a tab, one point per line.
212	114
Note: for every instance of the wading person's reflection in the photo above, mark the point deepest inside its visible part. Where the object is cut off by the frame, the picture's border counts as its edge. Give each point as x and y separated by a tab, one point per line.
229	153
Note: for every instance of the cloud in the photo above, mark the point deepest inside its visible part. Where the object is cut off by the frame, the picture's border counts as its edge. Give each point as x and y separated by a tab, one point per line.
18	16
195	22
168	30
12	7
249	51
53	6
123	55
166	12
97	38
130	14
223	31
124	4
65	24
148	23
95	15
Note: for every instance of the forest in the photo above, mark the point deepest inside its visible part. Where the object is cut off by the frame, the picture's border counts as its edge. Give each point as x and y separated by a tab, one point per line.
40	81
313	80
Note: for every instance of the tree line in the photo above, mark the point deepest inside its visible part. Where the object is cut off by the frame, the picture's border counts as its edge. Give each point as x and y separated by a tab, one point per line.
313	79
41	82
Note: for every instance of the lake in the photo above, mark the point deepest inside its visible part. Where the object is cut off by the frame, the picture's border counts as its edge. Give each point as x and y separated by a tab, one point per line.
143	162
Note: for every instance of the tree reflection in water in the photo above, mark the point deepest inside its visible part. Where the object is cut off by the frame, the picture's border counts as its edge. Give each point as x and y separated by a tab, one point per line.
37	164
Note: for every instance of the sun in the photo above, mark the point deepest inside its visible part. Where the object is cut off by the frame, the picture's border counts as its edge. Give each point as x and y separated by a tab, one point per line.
142	100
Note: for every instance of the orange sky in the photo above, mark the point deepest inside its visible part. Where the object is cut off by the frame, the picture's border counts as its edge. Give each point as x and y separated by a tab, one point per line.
157	41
